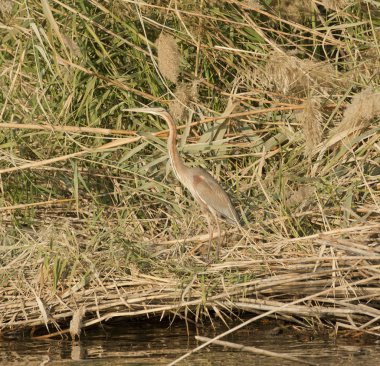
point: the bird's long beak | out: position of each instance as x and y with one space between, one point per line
156 111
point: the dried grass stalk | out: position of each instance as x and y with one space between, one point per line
368 66
258 351
311 121
169 57
298 274
119 241
364 107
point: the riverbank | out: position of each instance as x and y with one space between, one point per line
283 109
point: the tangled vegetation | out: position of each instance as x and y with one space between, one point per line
278 100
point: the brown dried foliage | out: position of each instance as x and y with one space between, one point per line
300 196
252 4
294 10
336 4
185 93
76 322
5 7
178 105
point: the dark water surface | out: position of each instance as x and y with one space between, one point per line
158 343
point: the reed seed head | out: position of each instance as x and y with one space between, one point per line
311 120
169 57
364 107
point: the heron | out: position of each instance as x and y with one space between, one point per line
207 192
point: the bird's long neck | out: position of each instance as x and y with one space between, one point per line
178 166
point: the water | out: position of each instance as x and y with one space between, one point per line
158 343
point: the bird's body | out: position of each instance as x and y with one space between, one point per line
209 194
213 200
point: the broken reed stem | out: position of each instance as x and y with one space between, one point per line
107 131
255 350
37 164
107 310
36 204
263 315
74 129
124 141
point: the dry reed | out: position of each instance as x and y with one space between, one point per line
93 225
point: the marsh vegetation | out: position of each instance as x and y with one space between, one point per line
278 100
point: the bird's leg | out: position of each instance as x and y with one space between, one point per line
219 239
210 232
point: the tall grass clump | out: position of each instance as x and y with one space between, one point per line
280 103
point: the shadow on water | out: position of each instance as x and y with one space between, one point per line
158 343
